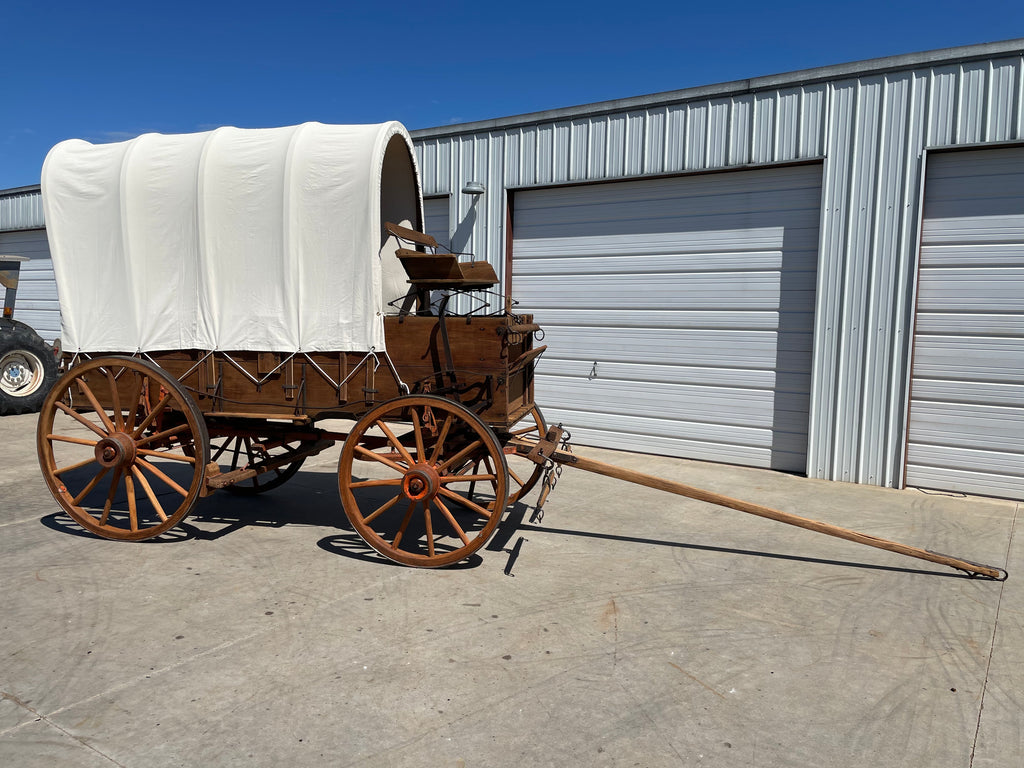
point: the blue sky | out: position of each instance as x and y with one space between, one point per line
113 70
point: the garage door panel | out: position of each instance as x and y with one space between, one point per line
973 358
729 406
974 324
714 291
678 312
678 374
760 350
760 449
970 392
965 481
1004 463
667 260
975 426
963 229
972 289
797 322
986 254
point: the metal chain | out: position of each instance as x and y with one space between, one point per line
552 474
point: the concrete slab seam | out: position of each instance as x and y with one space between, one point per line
992 644
43 718
169 668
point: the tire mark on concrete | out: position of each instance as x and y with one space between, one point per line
699 681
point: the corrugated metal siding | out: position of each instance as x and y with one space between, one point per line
872 130
21 209
36 301
966 424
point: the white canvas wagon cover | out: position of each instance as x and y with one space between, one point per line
233 239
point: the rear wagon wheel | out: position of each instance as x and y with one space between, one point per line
123 448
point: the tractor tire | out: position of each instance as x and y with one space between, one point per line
28 369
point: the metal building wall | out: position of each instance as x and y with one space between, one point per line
21 208
870 122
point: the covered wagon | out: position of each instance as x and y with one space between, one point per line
222 293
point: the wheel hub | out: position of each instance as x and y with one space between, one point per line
17 373
421 482
116 450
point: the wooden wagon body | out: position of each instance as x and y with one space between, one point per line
184 380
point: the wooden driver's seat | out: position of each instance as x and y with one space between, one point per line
439 271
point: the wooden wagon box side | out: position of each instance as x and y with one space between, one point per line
487 366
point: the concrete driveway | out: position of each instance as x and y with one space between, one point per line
630 628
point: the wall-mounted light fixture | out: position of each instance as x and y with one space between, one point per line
474 188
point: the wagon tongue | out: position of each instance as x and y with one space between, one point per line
553 451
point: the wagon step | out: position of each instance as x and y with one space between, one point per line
548 450
215 479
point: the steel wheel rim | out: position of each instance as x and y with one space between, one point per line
437 484
523 474
122 447
21 373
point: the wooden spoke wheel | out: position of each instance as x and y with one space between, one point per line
241 451
523 474
433 483
123 447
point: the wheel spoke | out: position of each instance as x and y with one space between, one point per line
451 520
471 505
363 451
441 438
164 401
95 404
149 493
133 512
237 453
405 523
514 476
449 479
110 496
525 431
221 449
158 473
133 401
75 440
459 457
161 435
381 509
376 483
166 455
92 484
115 399
77 465
418 434
80 418
394 441
430 530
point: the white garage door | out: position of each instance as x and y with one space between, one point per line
966 426
678 312
36 302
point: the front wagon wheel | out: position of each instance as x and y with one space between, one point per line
433 483
123 448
